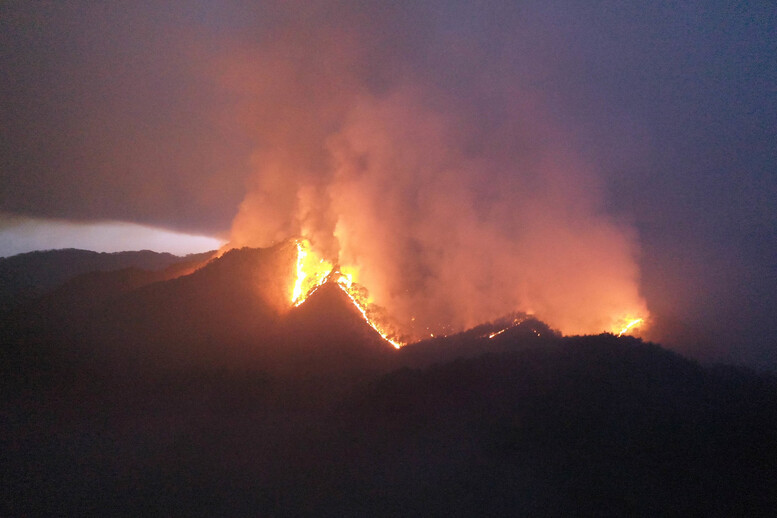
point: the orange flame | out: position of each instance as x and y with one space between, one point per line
631 324
497 333
314 271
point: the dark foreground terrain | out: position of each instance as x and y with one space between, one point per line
308 414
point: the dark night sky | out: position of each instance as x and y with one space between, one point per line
121 111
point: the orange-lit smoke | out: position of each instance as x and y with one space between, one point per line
447 224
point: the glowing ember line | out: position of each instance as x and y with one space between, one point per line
383 335
497 333
630 325
516 321
307 295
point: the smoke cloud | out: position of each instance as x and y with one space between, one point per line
453 216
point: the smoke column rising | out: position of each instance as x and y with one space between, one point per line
450 218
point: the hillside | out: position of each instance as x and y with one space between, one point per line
26 276
202 395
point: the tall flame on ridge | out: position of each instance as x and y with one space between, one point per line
314 271
631 324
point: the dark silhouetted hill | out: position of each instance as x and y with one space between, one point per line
233 310
231 305
581 426
26 276
328 333
205 395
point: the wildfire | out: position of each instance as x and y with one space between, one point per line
297 293
631 325
517 320
314 271
497 333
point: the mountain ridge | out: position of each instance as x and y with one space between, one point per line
26 276
207 394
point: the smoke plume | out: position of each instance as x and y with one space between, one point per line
453 213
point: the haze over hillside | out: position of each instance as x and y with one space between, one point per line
197 389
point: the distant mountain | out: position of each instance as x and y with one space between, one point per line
26 276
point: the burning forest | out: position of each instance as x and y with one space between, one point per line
313 272
390 190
